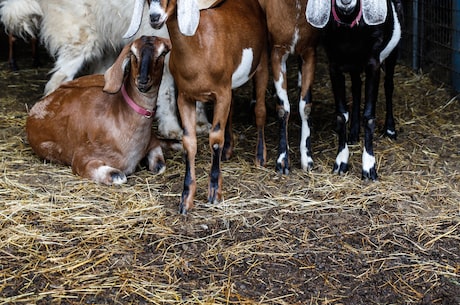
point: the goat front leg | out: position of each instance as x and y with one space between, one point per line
283 108
338 88
355 121
95 169
155 158
187 110
371 92
216 144
305 103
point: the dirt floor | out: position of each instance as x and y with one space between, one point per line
306 238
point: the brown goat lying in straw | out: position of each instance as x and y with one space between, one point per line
101 131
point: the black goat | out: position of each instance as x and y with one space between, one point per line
361 36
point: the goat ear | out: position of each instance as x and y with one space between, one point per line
115 74
188 16
167 45
374 11
318 12
136 19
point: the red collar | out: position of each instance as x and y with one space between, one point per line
145 112
340 22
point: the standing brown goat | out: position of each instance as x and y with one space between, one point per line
101 125
214 50
290 34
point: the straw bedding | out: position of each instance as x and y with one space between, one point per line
305 238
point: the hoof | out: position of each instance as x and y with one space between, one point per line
371 174
159 168
118 178
340 169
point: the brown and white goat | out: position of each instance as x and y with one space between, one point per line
214 50
290 34
101 125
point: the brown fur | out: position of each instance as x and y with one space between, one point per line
86 123
202 66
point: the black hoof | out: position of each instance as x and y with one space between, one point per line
340 169
370 175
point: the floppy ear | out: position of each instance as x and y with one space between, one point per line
318 12
188 16
136 19
374 11
115 74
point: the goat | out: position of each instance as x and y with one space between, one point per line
85 37
214 50
101 125
361 36
12 63
291 34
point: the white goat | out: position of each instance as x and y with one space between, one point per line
85 37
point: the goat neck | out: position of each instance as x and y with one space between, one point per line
349 19
142 103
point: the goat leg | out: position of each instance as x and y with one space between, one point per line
338 88
389 64
187 110
283 107
355 119
371 92
216 144
307 76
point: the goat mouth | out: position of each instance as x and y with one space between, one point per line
157 21
144 88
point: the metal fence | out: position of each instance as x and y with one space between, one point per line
431 39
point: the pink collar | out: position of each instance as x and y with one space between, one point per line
145 112
340 22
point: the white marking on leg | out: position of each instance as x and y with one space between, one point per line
342 157
243 72
391 132
346 116
305 159
103 174
282 93
281 158
368 161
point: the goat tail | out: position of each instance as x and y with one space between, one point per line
21 17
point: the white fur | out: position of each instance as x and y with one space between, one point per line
188 16
374 11
305 159
317 12
394 39
100 175
368 161
242 73
88 33
342 157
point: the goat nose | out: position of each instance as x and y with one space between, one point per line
155 18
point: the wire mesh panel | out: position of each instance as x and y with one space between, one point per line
431 39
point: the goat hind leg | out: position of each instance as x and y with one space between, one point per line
343 153
305 103
390 63
283 108
216 143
